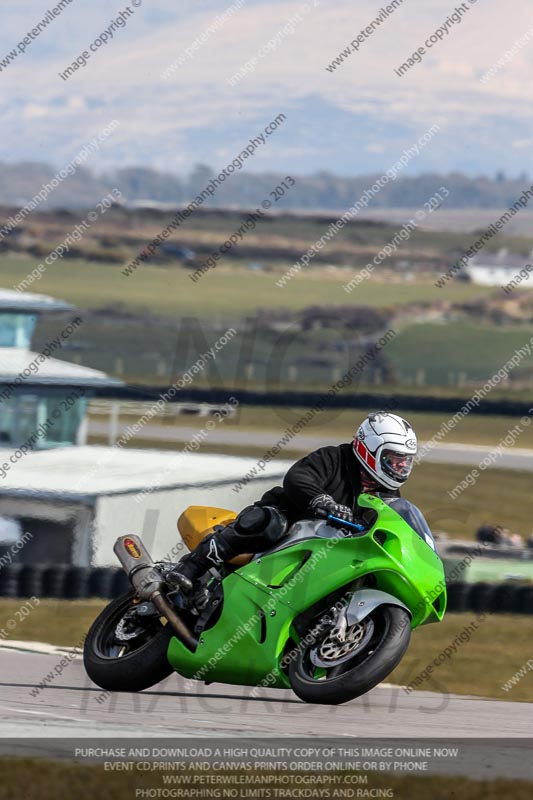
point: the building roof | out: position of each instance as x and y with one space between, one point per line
50 372
88 472
11 300
502 259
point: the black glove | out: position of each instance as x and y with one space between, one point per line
326 503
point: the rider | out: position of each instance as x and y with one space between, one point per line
329 480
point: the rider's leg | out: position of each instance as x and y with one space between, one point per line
255 529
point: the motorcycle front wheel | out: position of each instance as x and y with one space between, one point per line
123 653
331 671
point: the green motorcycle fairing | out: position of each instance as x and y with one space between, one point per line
262 599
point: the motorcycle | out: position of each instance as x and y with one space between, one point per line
327 612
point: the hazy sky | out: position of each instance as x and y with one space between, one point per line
358 118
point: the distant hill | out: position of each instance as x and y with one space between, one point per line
21 181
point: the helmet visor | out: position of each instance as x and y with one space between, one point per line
396 465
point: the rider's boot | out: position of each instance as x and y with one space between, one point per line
254 529
212 551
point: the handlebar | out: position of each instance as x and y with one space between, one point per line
321 513
355 525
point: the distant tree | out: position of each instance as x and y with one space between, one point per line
198 179
140 183
322 191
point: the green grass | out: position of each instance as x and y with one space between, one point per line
497 649
436 354
339 426
221 293
40 779
226 449
444 351
58 622
499 496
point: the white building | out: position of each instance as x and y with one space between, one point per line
75 500
500 269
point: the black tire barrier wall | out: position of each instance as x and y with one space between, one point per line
63 581
308 399
77 583
491 598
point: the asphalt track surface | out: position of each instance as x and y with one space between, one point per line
69 705
71 710
467 454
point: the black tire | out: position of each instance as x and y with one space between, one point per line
77 583
54 581
133 671
481 597
121 583
31 580
459 597
10 580
504 598
525 600
392 633
101 582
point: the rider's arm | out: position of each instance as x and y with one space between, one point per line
311 476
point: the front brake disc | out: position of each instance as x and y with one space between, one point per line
124 635
331 650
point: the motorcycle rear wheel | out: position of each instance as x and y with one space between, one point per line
130 665
381 650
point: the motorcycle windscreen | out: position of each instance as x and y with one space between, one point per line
413 516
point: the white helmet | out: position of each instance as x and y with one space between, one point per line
386 445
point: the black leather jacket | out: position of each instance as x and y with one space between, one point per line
330 470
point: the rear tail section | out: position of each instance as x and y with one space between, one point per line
197 522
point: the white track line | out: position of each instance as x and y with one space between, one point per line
43 714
